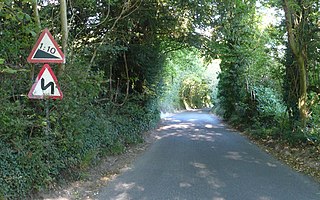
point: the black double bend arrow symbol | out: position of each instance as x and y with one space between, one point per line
44 87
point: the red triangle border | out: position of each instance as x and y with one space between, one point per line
44 60
31 96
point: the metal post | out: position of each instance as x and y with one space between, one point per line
47 129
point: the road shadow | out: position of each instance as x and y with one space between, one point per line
196 156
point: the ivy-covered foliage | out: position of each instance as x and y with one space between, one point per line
238 58
82 129
269 74
109 99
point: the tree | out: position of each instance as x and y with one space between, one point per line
64 30
233 44
299 20
296 21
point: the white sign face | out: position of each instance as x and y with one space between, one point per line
46 85
46 50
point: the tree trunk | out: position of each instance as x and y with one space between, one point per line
294 27
64 29
302 104
36 15
38 23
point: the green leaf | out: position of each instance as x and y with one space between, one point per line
27 17
9 70
33 33
20 15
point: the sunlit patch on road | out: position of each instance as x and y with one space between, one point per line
196 157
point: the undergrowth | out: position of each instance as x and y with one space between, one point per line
81 130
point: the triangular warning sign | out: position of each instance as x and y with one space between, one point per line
46 50
46 85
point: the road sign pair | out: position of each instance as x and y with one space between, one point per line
46 50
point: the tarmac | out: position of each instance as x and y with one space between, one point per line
197 157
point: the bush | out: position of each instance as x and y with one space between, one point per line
312 131
270 106
82 129
271 118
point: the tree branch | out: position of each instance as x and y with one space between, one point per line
289 25
126 7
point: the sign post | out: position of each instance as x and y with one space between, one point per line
46 50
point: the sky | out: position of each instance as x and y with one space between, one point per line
269 15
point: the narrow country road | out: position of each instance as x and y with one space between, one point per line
196 157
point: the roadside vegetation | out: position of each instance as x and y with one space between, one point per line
128 60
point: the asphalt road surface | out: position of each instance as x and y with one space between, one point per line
196 156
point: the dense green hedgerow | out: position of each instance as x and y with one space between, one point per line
82 129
